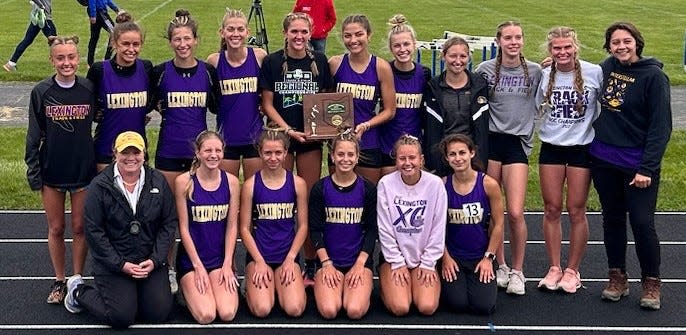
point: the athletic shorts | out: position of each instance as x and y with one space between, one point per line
273 266
387 160
370 158
71 190
506 149
299 147
237 151
103 159
575 155
173 164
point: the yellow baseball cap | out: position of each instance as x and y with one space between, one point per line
129 139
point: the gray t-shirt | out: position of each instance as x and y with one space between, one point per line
562 124
512 105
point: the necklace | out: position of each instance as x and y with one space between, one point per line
129 184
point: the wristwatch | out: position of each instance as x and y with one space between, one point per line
489 255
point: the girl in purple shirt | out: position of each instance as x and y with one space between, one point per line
208 225
273 227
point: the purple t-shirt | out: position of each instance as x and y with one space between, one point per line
365 88
466 236
238 118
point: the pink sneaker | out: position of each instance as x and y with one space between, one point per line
571 281
550 282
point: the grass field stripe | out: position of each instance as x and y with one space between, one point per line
154 10
639 8
353 326
6 2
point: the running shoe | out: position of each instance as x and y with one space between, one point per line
551 280
502 275
70 302
571 281
57 292
516 285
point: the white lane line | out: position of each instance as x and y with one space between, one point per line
240 277
69 240
154 10
491 327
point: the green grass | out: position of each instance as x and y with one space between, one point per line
16 194
661 23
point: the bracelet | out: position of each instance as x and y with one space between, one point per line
326 260
288 130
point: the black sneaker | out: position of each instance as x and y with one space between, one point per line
57 293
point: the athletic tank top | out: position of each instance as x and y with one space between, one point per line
408 99
274 218
343 235
125 101
185 99
238 118
365 89
468 217
207 214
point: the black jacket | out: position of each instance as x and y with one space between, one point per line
434 127
636 110
109 216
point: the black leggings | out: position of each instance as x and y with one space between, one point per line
102 21
617 198
467 293
119 300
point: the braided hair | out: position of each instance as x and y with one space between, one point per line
499 57
308 49
566 32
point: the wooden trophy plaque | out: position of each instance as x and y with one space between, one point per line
324 114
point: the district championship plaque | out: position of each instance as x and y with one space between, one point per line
325 113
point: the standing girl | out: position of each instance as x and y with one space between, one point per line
512 82
59 154
342 218
100 19
456 103
411 208
123 88
238 115
568 95
184 93
41 21
632 132
474 232
208 225
368 78
286 76
273 227
409 79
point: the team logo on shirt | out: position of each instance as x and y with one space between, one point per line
564 100
471 213
294 85
613 97
343 215
359 91
62 115
410 215
275 211
238 85
127 100
209 213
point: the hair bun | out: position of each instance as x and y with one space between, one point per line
397 19
123 16
182 13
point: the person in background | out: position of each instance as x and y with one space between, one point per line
410 80
631 136
474 230
370 81
273 227
40 21
130 225
568 96
208 225
123 89
99 18
184 91
412 209
238 112
323 16
59 154
342 221
512 81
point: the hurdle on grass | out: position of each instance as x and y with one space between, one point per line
484 43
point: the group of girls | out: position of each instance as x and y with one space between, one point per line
457 119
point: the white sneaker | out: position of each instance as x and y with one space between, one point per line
9 67
173 284
502 275
517 281
70 302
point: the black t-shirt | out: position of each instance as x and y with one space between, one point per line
289 87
